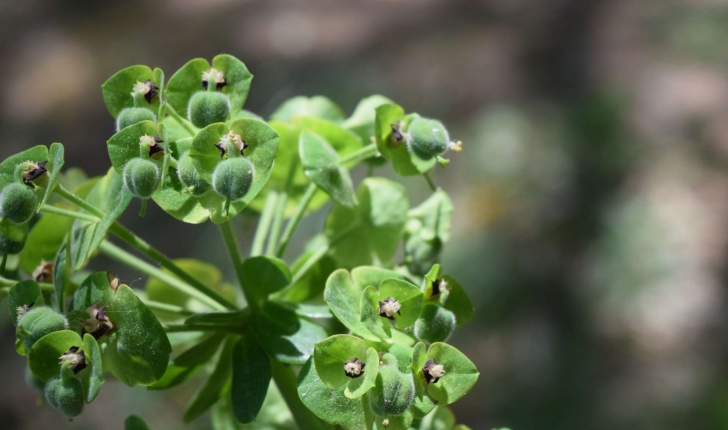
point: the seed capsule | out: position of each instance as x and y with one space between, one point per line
435 324
233 177
427 137
189 176
17 203
393 393
131 116
11 243
38 322
141 177
207 107
66 395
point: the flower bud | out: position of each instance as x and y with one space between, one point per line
233 177
131 116
141 177
427 137
38 322
18 203
189 176
393 393
66 395
435 324
208 107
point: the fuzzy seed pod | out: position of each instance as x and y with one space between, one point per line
131 116
427 137
11 244
208 107
66 395
232 177
393 393
38 322
189 176
18 203
435 324
141 177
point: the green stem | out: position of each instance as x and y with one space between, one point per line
78 201
278 219
6 283
69 213
177 328
429 182
297 216
287 382
368 151
301 272
4 262
183 122
266 217
228 235
165 307
134 262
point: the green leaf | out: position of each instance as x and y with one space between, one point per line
283 334
331 354
369 311
332 405
422 404
207 274
316 106
342 140
135 422
274 415
7 167
118 88
432 218
457 301
251 377
109 196
408 295
45 353
311 284
321 165
238 80
460 373
44 240
92 377
263 145
24 293
55 162
365 276
370 233
136 350
362 119
124 145
189 362
14 237
343 295
234 319
360 386
441 418
263 276
210 393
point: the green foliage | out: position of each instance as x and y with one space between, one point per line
349 310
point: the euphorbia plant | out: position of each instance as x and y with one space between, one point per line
351 334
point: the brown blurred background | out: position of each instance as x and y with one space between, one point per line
591 211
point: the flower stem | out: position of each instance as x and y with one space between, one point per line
266 217
287 382
134 262
183 122
432 185
296 218
278 219
165 307
69 213
355 157
228 235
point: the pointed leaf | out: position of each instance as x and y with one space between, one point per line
55 162
321 165
284 335
251 377
343 296
264 276
210 393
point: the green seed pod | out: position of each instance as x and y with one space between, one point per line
435 324
131 116
427 137
189 176
65 394
12 238
393 393
232 177
141 177
18 203
38 322
208 107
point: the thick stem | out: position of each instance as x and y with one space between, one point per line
278 219
266 217
429 182
6 283
228 235
296 218
286 380
177 328
164 307
69 213
368 151
134 262
78 201
183 122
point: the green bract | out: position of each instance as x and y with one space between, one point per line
207 108
135 86
17 203
141 177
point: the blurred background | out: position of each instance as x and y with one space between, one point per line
591 216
